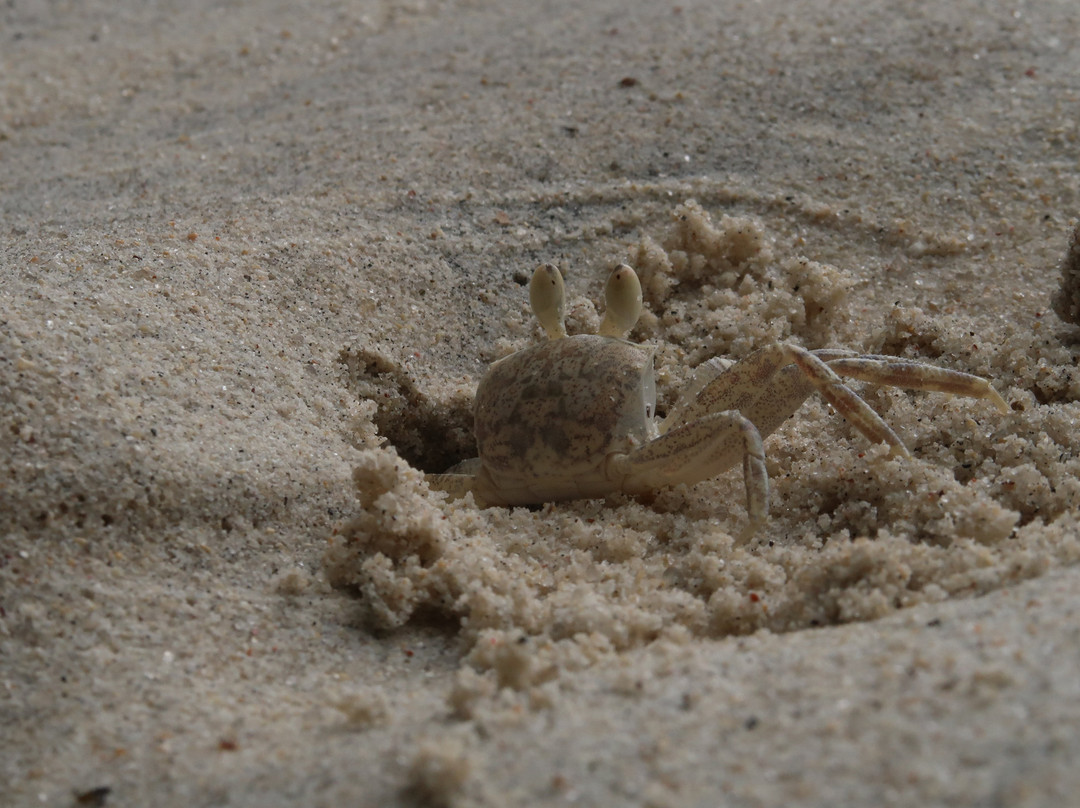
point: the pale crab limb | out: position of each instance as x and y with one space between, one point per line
455 484
702 375
789 378
622 297
894 372
696 451
759 389
547 294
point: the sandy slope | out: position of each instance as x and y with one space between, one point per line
254 263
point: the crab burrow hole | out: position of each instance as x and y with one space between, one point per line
430 428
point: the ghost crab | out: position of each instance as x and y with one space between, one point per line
574 417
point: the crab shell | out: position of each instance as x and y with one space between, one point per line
550 417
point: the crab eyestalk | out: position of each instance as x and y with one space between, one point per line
622 297
547 294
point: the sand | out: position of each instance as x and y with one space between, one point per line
255 261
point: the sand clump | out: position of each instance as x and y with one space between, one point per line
854 534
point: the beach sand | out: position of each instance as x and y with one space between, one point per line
255 261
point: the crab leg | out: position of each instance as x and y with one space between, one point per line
760 389
456 485
696 451
895 372
771 384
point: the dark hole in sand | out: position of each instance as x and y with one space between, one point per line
429 432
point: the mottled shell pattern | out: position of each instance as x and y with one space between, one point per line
549 416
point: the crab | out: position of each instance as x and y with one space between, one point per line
574 417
